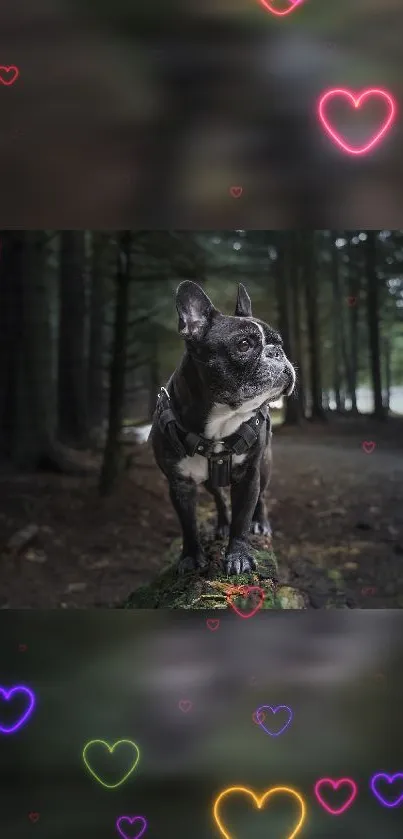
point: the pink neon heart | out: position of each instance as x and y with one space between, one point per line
368 446
185 705
335 785
356 101
270 8
11 72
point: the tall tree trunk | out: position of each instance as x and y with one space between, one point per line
73 404
336 320
387 355
33 442
297 357
373 323
354 284
110 465
97 332
311 295
12 266
154 380
345 352
284 260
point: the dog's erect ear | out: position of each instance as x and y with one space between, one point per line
195 309
243 308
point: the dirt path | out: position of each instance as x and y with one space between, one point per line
338 520
336 512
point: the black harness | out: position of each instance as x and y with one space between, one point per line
189 443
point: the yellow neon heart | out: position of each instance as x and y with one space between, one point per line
259 802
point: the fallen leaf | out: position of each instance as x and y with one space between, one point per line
35 556
291 598
75 587
21 538
98 563
333 574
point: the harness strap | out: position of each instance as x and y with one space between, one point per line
238 443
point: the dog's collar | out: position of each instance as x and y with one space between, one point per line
189 443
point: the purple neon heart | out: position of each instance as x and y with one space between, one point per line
131 820
390 780
9 694
274 710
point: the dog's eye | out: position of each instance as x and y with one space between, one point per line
243 345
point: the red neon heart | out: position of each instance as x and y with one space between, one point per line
368 446
185 705
258 718
7 70
356 101
292 4
212 623
243 591
236 191
33 817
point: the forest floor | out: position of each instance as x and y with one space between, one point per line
336 511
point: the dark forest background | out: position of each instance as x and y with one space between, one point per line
88 333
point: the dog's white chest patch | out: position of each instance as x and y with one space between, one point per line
196 467
222 421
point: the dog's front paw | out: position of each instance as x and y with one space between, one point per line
188 564
239 561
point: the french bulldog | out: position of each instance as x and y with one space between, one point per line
212 426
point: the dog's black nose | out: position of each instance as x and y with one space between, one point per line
274 351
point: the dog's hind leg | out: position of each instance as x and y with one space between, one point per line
222 527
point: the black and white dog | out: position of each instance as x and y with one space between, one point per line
212 423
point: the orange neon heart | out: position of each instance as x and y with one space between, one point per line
259 802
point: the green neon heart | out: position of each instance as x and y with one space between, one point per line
110 750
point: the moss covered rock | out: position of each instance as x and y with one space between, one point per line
211 588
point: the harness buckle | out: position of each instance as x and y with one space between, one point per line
164 391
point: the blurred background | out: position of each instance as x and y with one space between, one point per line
114 675
146 114
88 332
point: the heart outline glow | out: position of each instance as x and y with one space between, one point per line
357 101
8 69
131 820
111 749
268 6
335 785
7 695
259 802
243 591
390 779
273 709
